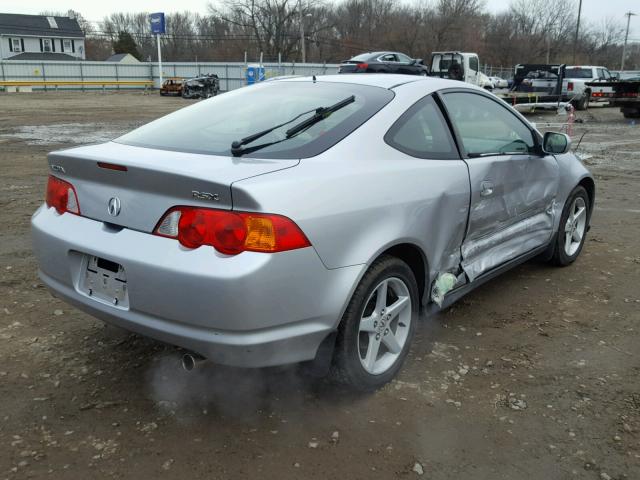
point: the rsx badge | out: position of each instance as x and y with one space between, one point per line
205 195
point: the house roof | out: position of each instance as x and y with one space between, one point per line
119 57
39 26
42 56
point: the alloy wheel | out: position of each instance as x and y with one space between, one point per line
575 226
384 326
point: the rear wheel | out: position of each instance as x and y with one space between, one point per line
583 102
573 228
377 328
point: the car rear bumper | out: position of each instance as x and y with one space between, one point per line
249 310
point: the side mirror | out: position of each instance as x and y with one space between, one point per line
556 143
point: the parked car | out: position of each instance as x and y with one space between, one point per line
384 62
499 82
308 219
204 86
172 86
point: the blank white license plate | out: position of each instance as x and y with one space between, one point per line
106 281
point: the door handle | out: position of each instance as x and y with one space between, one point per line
486 189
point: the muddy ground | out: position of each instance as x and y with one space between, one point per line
535 375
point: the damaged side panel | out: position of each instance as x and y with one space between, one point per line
493 250
512 210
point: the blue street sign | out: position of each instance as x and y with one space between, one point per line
157 23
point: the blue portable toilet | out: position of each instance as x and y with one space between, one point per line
255 73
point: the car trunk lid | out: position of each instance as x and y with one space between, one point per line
148 182
350 66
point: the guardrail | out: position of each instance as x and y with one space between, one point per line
146 84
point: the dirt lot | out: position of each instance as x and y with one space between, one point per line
534 375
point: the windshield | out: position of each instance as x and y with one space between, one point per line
211 126
578 73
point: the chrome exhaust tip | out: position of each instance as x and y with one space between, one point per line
191 360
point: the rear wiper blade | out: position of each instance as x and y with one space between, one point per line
320 114
237 145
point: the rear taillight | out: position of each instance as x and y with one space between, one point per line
62 196
363 66
570 86
231 232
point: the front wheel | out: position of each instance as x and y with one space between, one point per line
377 328
573 228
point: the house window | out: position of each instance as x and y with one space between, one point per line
46 45
66 46
16 45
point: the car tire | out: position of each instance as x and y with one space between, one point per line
631 113
375 335
583 102
573 228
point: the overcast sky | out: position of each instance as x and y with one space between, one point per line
94 10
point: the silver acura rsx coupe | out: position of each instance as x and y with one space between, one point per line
308 219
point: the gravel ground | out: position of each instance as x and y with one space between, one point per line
534 375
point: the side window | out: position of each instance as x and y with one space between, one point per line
601 74
474 64
403 58
486 127
422 132
389 57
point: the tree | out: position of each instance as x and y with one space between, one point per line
126 44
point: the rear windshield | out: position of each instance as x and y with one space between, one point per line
578 73
211 126
363 57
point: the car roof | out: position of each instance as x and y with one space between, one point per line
376 54
383 80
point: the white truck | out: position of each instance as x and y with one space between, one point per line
461 66
576 90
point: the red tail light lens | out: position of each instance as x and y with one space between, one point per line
231 232
363 66
62 196
570 86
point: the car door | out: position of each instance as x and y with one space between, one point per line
390 62
472 75
513 185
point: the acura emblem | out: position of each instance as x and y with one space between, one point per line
114 207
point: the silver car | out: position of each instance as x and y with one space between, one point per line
308 219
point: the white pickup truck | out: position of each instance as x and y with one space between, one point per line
575 88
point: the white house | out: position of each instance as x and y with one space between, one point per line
122 58
39 37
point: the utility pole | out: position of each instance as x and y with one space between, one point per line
302 45
626 37
575 40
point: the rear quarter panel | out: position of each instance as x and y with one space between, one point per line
362 196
